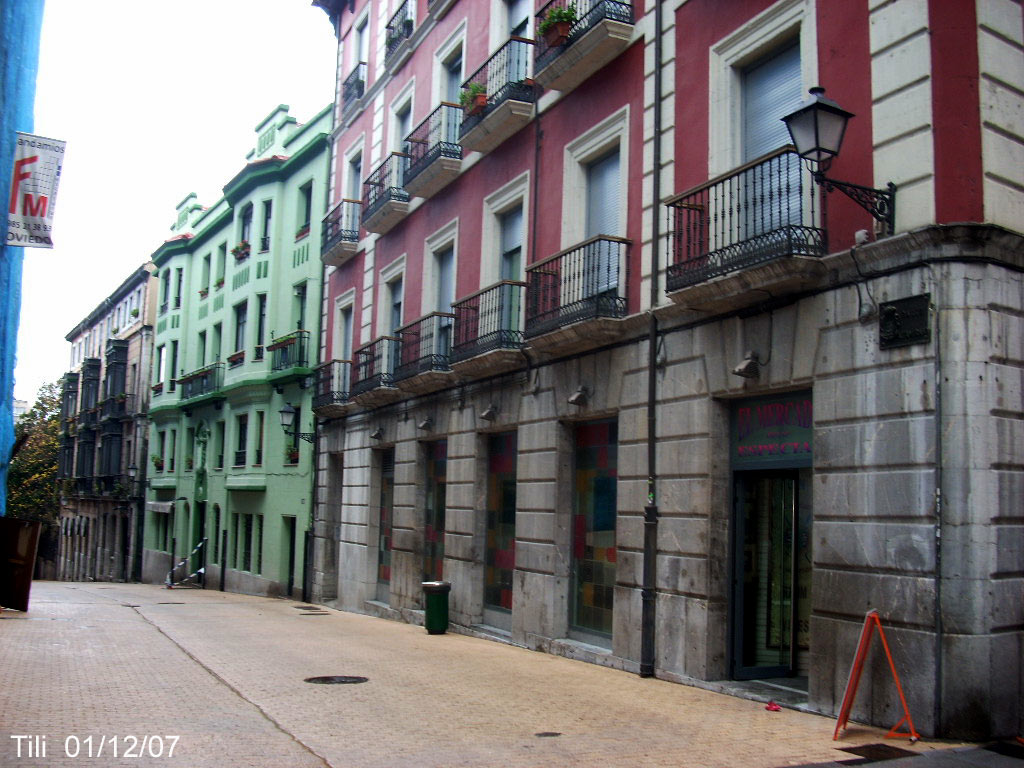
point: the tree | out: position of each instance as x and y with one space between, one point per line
32 477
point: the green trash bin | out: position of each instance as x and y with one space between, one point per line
436 603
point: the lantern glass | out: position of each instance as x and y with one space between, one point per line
287 417
818 127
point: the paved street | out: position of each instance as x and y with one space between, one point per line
225 673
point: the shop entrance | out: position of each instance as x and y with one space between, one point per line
772 517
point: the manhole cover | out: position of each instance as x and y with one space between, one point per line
336 679
547 734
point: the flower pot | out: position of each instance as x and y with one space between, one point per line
557 33
477 104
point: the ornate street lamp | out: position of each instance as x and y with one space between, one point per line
817 129
288 421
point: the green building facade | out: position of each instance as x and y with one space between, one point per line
240 282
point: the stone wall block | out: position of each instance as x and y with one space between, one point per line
536 526
683 535
908 600
875 394
875 444
687 495
688 574
461 520
535 495
854 494
459 547
870 545
626 623
535 556
682 419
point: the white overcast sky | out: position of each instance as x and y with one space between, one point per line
155 100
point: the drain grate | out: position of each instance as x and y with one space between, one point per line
307 607
876 753
314 613
547 734
170 603
336 680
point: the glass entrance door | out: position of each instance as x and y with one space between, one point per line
500 532
771 582
386 503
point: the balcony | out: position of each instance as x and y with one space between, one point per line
438 8
202 385
353 88
397 47
738 231
423 354
435 155
331 397
510 95
118 407
372 382
600 31
289 359
488 330
576 299
339 233
88 417
386 200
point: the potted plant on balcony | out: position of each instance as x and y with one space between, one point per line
204 292
158 463
241 251
135 312
473 99
291 455
219 284
557 24
189 463
302 231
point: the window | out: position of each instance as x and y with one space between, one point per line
174 364
173 450
260 421
245 228
453 76
161 363
222 257
403 124
444 270
362 41
261 324
603 216
201 350
206 273
219 445
355 177
343 336
300 305
305 209
265 233
518 17
505 213
510 260
215 342
179 281
241 437
771 89
258 568
241 312
395 296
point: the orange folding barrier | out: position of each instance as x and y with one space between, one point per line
871 621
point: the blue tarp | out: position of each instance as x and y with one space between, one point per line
20 25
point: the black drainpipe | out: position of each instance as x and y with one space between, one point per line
648 604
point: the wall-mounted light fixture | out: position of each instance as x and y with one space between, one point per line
750 368
580 396
288 422
427 424
490 413
377 434
817 129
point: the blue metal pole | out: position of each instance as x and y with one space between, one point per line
20 26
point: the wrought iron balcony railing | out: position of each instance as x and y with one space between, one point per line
585 282
399 29
333 380
374 364
588 14
342 223
202 381
117 407
424 345
762 211
290 351
487 320
437 136
353 88
504 76
385 184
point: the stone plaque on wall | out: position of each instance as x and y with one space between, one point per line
905 321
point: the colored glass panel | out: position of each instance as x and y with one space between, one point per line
433 530
500 553
387 495
594 516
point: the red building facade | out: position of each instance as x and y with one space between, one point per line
601 350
